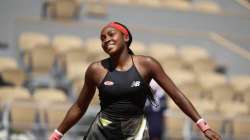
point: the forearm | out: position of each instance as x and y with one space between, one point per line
72 117
186 106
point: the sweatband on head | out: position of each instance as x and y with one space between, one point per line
118 27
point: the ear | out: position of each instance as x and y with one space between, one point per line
126 38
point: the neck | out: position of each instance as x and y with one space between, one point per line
122 61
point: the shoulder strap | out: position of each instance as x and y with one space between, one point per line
132 59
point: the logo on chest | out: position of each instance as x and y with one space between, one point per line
135 84
108 83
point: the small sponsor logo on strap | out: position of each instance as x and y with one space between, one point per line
108 83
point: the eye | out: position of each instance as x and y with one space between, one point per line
103 37
111 33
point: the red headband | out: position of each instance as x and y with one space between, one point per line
118 27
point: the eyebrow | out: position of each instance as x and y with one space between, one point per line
110 30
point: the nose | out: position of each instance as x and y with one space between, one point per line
107 39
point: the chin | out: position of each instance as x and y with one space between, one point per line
113 53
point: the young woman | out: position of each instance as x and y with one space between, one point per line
123 84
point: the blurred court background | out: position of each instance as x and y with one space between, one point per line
45 46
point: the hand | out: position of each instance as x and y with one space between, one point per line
211 135
55 136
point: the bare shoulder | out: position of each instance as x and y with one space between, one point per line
145 60
98 66
94 67
148 65
96 70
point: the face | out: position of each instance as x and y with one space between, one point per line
113 40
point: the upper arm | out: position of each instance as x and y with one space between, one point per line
159 75
89 87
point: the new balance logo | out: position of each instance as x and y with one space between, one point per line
135 84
